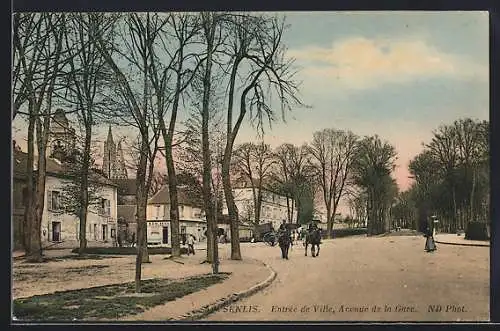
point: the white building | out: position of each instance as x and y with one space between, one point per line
191 218
273 207
59 227
63 228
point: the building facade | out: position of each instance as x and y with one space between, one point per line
191 218
274 207
59 227
63 229
19 191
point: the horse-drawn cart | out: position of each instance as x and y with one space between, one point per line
266 233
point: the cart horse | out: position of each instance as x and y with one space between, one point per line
313 238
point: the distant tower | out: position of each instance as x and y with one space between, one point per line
113 164
121 169
62 136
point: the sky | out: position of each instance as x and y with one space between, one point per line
396 74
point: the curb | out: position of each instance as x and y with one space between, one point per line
211 308
459 244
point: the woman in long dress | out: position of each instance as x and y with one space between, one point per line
430 245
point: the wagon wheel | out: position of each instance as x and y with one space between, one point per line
269 239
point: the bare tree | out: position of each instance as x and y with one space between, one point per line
39 57
190 151
333 152
257 42
159 180
281 176
211 36
253 162
137 33
86 73
184 28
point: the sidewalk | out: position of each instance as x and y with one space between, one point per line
453 239
245 275
37 279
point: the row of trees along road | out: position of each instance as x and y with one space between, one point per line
137 70
451 178
337 164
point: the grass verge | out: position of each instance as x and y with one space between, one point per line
110 301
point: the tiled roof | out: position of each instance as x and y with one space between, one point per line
126 186
53 167
127 212
20 161
183 197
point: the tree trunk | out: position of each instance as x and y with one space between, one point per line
454 218
30 188
84 189
172 189
172 179
231 206
226 162
289 215
472 209
210 241
141 197
329 222
140 251
42 136
209 23
35 235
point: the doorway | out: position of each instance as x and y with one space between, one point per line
56 231
165 235
104 232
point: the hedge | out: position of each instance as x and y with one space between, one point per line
477 231
339 233
127 250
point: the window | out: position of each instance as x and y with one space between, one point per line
54 200
113 233
183 230
105 207
182 211
157 212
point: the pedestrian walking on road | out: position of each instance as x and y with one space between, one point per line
430 244
190 243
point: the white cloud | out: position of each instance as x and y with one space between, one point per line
360 63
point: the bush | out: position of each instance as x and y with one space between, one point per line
127 250
477 231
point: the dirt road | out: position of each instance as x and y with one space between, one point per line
370 279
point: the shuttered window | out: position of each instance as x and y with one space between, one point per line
54 200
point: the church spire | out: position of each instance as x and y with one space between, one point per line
110 135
